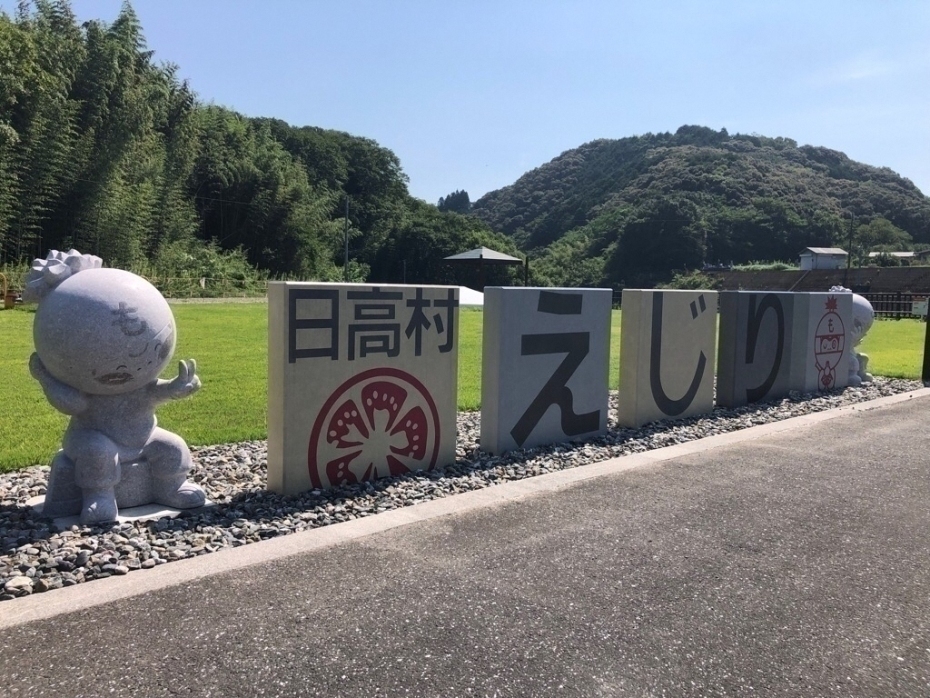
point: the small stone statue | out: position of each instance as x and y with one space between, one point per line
102 337
863 317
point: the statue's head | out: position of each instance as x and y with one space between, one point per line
862 314
102 331
863 317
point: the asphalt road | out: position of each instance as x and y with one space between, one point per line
787 564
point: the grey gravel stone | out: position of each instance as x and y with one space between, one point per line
19 584
36 556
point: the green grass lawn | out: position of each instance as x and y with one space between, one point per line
28 425
895 348
470 358
229 342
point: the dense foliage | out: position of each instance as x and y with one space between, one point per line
107 151
637 210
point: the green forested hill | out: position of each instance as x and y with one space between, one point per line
104 149
634 210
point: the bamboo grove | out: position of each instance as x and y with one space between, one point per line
104 149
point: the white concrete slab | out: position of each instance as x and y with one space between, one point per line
470 297
667 354
757 346
145 512
545 364
362 382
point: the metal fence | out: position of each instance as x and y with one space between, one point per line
898 305
901 304
205 287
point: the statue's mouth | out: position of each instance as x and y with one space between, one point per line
115 378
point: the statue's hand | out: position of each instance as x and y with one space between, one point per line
63 398
187 381
37 368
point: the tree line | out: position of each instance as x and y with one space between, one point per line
106 150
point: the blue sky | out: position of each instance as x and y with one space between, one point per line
470 95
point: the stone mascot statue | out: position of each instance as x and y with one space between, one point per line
102 337
863 317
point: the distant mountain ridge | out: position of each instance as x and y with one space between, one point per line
634 210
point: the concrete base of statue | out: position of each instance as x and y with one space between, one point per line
144 512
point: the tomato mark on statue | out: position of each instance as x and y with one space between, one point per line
829 344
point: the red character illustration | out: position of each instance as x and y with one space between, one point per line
380 422
829 344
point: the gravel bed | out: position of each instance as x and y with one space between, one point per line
36 556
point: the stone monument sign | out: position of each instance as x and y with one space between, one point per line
545 365
758 345
102 337
362 382
827 326
667 343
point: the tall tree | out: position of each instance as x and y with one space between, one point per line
456 202
43 121
251 193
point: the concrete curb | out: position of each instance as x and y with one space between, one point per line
88 595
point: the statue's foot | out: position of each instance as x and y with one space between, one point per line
98 506
187 496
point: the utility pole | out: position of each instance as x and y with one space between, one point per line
925 372
345 266
849 251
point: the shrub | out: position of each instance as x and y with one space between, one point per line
691 280
766 266
197 269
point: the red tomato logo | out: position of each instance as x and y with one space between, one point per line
829 344
378 423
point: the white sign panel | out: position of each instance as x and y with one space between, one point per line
824 363
362 382
667 351
545 366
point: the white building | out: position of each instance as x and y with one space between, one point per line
903 256
823 258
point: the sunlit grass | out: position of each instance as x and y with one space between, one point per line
29 427
895 348
470 335
229 342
